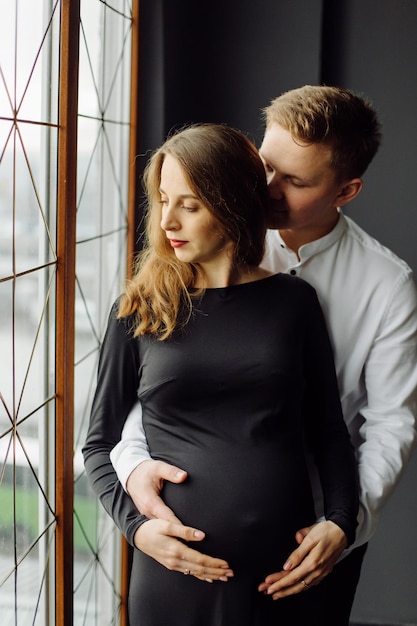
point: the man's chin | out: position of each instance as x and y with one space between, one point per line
277 221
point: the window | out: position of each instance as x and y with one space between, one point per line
53 311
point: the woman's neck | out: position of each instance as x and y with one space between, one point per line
226 277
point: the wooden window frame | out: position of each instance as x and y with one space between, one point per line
65 294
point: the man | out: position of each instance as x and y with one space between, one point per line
318 143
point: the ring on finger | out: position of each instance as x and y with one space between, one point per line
306 585
186 572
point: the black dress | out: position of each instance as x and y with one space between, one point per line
234 399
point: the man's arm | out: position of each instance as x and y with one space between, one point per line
133 448
388 434
141 476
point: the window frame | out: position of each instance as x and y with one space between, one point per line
65 307
65 292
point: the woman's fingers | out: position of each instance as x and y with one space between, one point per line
164 541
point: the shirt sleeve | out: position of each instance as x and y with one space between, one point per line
327 436
388 432
116 393
133 448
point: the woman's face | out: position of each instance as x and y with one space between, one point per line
193 232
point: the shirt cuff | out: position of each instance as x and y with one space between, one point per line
126 458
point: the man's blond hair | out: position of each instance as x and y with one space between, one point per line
337 117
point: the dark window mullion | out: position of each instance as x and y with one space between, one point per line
65 302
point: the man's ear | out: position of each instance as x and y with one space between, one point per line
349 191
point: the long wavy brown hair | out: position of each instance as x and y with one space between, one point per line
224 170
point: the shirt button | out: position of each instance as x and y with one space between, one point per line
293 272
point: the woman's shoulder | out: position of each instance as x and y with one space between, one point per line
127 322
292 283
297 292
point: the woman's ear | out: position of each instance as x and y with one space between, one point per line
349 191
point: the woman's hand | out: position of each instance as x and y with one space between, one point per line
161 540
319 548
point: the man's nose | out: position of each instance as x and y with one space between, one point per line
274 186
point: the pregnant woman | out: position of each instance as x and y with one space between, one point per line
234 371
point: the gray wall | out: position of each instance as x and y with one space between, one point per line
220 60
379 58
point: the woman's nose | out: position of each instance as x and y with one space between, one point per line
168 219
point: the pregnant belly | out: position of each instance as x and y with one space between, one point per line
248 503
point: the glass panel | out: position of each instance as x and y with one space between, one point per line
101 260
27 333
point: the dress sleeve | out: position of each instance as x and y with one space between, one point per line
326 432
116 393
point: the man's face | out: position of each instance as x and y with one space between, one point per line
302 184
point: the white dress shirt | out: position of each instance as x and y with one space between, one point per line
369 300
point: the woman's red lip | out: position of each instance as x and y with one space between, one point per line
177 243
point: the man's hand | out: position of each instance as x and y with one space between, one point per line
161 540
319 549
144 486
